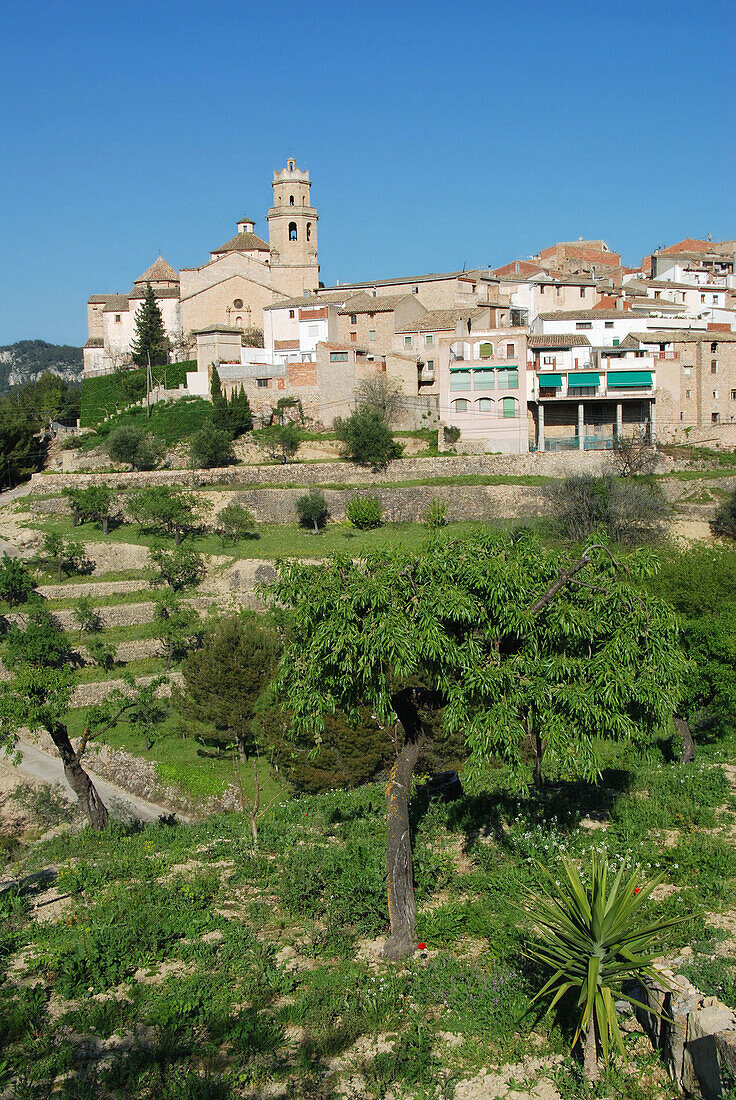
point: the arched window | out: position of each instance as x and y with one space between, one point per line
238 322
292 231
291 200
309 231
485 405
486 351
459 350
461 405
509 407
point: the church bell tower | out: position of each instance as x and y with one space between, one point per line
292 232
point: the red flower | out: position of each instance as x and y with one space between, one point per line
637 889
421 947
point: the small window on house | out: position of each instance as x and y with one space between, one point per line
582 291
353 318
509 407
117 318
702 297
715 418
313 330
687 371
238 303
715 394
371 334
549 360
338 357
291 200
689 393
262 383
353 337
415 290
485 405
714 347
714 366
309 231
608 324
510 351
616 342
408 341
461 405
292 314
579 325
238 322
429 367
429 338
292 231
560 290
682 416
541 288
486 350
733 395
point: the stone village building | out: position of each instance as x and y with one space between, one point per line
564 352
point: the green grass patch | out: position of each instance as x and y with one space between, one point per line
173 422
101 395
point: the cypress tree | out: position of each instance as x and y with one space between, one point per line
242 417
150 334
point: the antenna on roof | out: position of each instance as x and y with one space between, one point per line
465 264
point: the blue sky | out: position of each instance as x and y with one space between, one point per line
437 134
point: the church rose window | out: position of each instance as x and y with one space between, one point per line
238 303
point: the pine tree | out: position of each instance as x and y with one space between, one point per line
150 335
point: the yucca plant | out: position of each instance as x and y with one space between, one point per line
594 939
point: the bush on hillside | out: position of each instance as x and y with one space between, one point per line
280 441
16 583
312 509
631 512
367 439
364 512
127 443
164 509
179 567
211 447
235 522
91 505
724 523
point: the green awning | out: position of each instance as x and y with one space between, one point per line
550 381
583 378
466 369
622 379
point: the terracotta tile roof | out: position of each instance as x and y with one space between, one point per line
443 320
243 242
429 278
364 303
158 272
691 244
102 299
116 303
559 340
160 292
95 342
321 299
572 315
683 336
286 345
336 347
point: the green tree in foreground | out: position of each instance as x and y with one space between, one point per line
312 508
127 443
91 505
508 640
224 679
16 583
367 439
150 343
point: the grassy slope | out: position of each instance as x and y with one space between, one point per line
262 980
101 395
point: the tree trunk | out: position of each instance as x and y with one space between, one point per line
59 570
590 1054
538 754
104 524
78 780
177 536
253 814
688 745
400 873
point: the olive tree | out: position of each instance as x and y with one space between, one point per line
503 639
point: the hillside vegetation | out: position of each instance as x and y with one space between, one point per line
26 360
103 395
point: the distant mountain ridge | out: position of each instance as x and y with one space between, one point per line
27 360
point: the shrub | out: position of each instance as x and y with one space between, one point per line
102 653
367 439
724 523
281 441
16 583
380 392
435 514
364 512
452 434
210 447
149 453
90 505
162 508
178 567
235 522
312 508
632 512
87 616
123 442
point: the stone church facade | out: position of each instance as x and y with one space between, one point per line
241 278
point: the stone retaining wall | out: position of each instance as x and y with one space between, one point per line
695 1035
558 464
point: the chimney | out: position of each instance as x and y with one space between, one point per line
620 302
